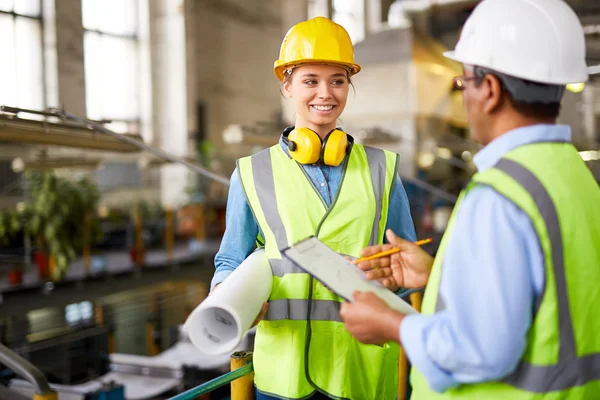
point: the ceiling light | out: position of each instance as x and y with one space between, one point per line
444 153
576 87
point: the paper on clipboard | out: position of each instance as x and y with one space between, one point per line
338 274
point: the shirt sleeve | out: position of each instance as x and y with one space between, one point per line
491 276
241 230
399 219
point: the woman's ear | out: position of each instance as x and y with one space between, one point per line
287 90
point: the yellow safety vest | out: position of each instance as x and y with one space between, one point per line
552 185
302 345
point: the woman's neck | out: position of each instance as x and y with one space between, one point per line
321 130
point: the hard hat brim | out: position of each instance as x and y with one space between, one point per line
279 69
450 55
584 77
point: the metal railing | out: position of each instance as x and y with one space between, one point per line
241 378
29 372
67 116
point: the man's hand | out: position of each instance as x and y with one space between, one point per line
409 268
261 314
370 320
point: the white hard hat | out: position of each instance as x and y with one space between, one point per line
536 40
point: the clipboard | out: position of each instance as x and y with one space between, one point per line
338 274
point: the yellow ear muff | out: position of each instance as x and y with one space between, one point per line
306 147
335 147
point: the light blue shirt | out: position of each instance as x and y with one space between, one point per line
242 229
492 274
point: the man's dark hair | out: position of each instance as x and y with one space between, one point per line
531 99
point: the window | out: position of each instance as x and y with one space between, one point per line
78 313
351 15
22 66
112 63
317 8
348 13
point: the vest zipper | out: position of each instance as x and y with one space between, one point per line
311 282
337 195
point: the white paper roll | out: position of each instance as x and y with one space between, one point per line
217 325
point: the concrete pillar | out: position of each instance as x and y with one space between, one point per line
168 55
294 11
191 73
372 16
146 93
588 109
64 55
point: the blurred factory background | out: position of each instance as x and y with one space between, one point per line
104 248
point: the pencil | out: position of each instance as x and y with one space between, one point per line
388 252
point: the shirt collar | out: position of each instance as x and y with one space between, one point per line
497 148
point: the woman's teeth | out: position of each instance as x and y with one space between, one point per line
322 108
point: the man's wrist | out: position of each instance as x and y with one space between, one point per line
393 321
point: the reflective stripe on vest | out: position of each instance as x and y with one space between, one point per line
302 329
266 196
571 370
298 310
324 310
377 166
264 180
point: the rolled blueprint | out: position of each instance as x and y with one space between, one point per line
218 324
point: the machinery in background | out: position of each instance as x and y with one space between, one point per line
130 377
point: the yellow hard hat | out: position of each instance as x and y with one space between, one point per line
318 40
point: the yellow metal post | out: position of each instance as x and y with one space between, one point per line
87 251
52 267
242 388
402 374
416 299
199 222
169 233
112 342
139 240
152 347
45 396
100 320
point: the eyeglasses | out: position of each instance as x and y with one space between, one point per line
460 82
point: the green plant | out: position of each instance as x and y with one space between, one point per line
206 152
57 214
150 210
11 228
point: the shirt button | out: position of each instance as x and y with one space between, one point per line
322 184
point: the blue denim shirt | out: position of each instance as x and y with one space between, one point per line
492 274
242 229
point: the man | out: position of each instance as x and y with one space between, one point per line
511 305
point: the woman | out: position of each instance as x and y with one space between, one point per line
315 181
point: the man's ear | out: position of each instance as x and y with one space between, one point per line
494 93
